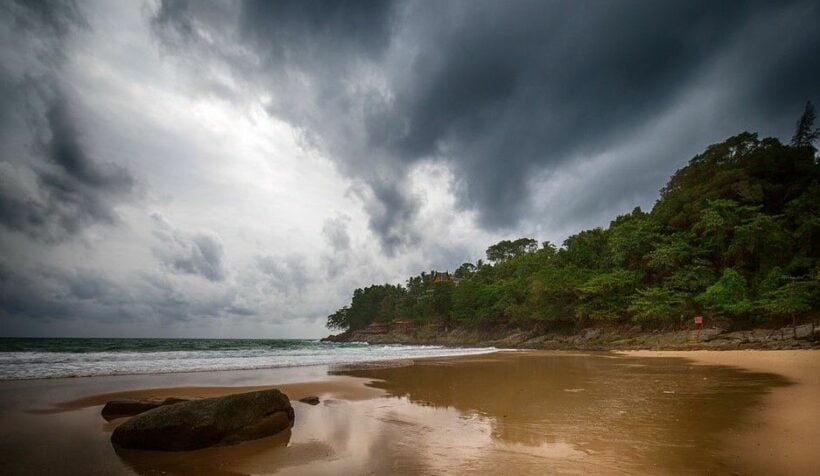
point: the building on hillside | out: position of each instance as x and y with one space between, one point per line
441 277
445 277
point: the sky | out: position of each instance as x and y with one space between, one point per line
235 169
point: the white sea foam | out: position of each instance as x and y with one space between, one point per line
37 365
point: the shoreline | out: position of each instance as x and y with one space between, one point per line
26 364
371 417
805 336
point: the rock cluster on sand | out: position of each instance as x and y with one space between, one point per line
209 422
123 407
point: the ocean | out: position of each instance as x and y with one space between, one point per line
38 358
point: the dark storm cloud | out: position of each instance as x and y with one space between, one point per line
161 298
306 30
48 293
501 90
198 254
201 254
71 190
54 18
391 210
778 71
285 273
504 90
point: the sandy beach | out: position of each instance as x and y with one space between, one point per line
533 412
782 437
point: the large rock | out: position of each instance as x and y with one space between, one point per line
123 407
208 422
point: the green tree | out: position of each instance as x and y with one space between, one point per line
805 134
657 304
729 295
718 223
672 253
759 242
506 249
439 300
606 296
553 292
465 270
339 320
587 249
631 237
786 296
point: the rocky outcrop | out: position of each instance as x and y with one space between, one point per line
604 338
343 337
209 422
123 407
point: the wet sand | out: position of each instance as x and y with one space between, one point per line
745 412
784 436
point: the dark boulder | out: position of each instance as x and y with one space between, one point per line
311 400
208 422
123 407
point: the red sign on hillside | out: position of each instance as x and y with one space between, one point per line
698 320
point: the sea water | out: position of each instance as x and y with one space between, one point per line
36 358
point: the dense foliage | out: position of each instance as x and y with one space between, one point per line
734 235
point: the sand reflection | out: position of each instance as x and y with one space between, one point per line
575 411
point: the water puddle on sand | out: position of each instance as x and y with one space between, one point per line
509 413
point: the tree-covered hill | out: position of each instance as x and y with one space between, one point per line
735 235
